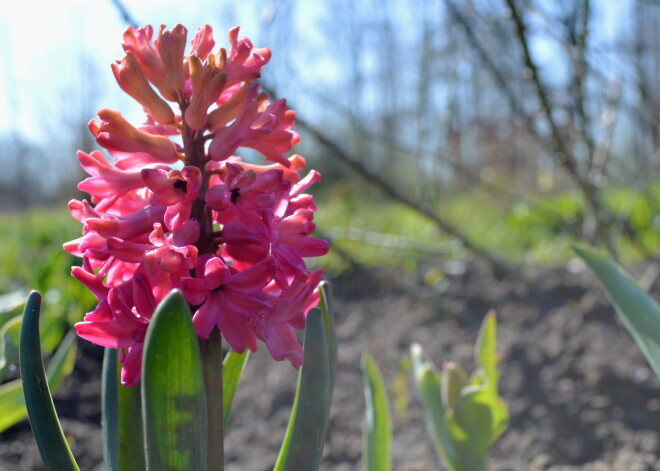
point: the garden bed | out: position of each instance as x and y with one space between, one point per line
580 394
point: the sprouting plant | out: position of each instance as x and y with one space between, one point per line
464 415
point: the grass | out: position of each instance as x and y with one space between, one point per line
376 231
31 257
368 226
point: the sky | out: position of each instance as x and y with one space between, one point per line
46 47
51 50
56 56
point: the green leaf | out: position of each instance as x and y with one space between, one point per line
131 455
454 379
173 397
486 354
638 311
232 368
123 439
303 442
486 349
474 415
46 428
377 434
326 305
110 410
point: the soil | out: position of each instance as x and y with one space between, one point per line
580 394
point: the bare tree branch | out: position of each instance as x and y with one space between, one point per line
501 267
567 157
125 14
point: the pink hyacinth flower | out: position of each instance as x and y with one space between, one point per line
122 323
175 189
172 207
228 300
137 147
244 191
278 329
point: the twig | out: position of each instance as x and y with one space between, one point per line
568 159
389 241
125 14
578 52
608 119
506 193
500 266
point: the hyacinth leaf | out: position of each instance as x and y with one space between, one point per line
327 306
123 443
486 354
46 428
464 417
485 348
638 311
444 433
232 368
303 442
110 408
474 415
173 395
131 432
377 433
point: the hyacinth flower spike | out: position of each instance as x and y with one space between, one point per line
184 243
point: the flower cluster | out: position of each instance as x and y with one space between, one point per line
173 207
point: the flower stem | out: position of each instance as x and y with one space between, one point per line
211 351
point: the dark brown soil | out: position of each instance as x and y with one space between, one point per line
580 394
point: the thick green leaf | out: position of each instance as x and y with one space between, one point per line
123 442
110 408
232 368
428 385
131 456
486 349
303 442
486 354
173 396
326 305
211 355
46 428
377 433
474 415
638 311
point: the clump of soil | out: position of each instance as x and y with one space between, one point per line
580 394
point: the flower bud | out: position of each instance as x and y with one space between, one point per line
115 133
454 378
171 45
131 79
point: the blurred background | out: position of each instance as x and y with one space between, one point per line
461 128
454 132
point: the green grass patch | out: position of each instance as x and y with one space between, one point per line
376 231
